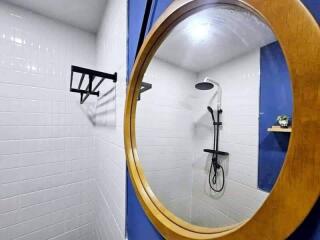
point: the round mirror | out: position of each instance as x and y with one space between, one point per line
214 116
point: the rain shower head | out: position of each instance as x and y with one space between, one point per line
208 84
204 86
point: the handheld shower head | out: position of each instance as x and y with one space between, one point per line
210 109
211 112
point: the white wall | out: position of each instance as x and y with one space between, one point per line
240 83
110 170
164 135
46 142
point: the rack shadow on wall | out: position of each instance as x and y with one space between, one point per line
103 112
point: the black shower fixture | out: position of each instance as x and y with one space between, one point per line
92 74
216 168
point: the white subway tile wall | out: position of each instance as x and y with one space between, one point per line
164 135
46 142
110 173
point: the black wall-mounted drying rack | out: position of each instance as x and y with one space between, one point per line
89 90
144 87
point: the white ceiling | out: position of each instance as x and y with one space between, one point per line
213 36
83 14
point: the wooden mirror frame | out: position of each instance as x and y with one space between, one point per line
298 186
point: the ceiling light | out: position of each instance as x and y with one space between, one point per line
199 31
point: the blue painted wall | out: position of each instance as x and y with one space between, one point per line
136 10
275 99
135 17
138 225
314 8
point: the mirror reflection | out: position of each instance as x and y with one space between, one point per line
213 119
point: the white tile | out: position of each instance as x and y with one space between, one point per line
9 204
110 168
37 193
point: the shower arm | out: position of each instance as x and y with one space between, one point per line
219 91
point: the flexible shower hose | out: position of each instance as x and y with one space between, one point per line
213 179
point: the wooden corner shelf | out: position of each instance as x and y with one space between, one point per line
280 129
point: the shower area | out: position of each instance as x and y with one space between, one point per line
56 166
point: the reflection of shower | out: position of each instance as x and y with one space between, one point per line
216 169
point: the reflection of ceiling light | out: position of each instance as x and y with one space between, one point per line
16 40
199 31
